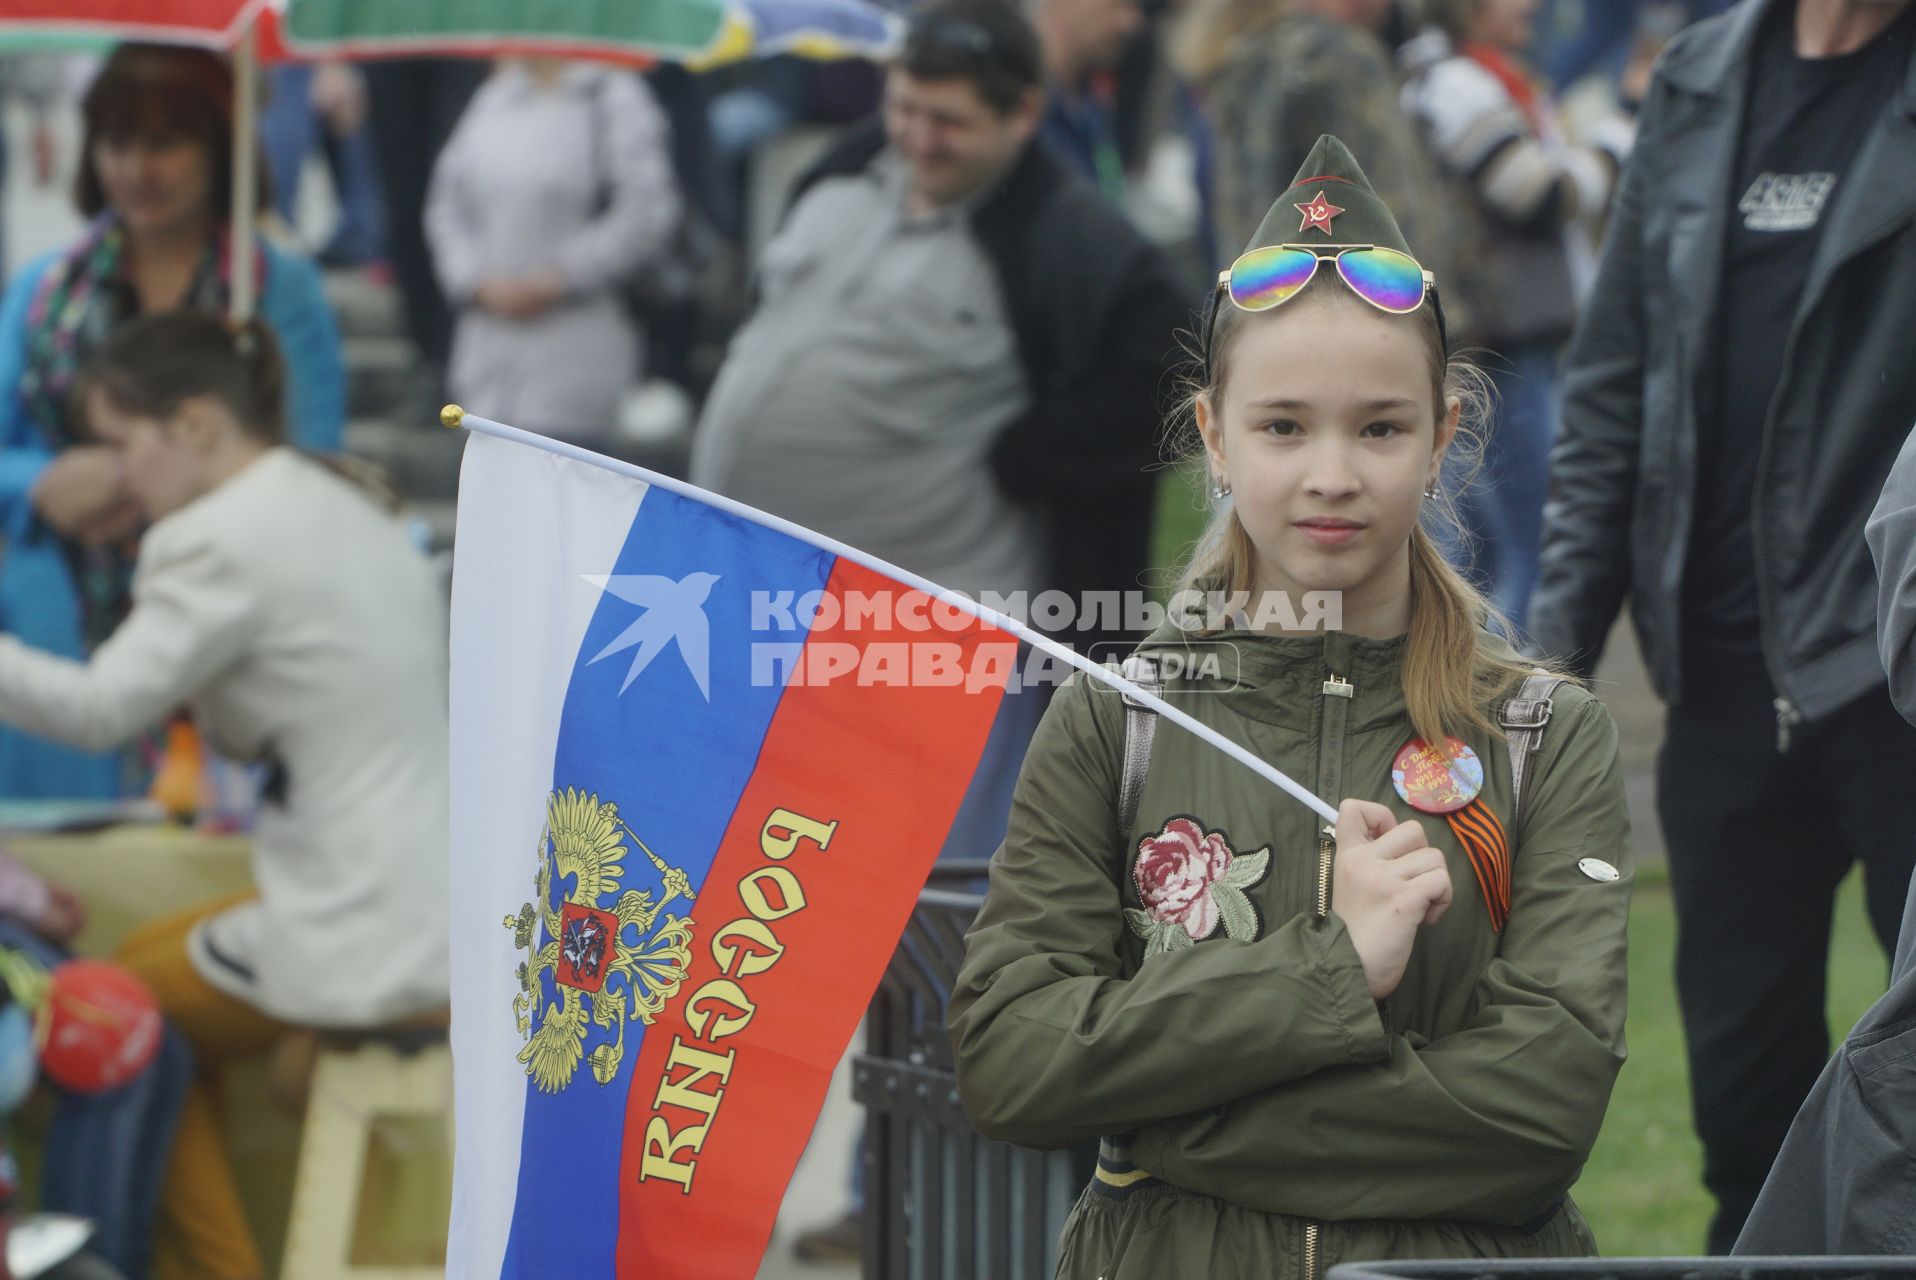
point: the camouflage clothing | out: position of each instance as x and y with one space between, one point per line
1287 85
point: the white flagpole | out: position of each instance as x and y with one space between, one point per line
245 207
453 416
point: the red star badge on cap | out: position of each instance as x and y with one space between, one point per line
1318 213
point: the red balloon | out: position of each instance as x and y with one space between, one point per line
99 1027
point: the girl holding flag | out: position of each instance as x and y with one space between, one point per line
1301 1046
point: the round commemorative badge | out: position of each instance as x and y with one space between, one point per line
1430 783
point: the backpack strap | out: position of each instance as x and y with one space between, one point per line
1523 718
1140 727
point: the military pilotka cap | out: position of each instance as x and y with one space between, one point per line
1331 204
1330 201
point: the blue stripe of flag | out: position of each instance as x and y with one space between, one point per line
676 765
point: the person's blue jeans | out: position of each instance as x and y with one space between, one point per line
1502 506
106 1154
289 129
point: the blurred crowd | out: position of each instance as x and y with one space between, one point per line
928 313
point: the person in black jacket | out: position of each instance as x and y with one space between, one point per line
1845 1181
868 298
1734 397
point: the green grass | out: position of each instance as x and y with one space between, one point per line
1642 1190
1179 518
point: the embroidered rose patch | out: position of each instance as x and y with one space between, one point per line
1190 881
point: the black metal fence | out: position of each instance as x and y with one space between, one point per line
1636 1269
942 1202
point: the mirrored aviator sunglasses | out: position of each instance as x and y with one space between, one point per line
1271 276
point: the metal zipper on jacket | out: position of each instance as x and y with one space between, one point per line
1338 693
1326 855
1787 719
1787 716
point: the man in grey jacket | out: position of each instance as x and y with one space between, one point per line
1892 543
1738 382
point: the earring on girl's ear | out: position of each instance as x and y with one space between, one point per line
1430 490
1220 489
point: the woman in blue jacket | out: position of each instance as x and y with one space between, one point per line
155 181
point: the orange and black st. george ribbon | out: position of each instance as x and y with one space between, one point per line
1482 836
1449 781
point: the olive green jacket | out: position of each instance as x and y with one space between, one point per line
1273 1120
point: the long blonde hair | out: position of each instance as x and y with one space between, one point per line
1453 668
1208 34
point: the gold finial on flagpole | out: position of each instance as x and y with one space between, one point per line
452 416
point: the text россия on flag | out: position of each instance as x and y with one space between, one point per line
676 881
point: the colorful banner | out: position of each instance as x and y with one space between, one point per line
69 23
695 32
689 823
698 33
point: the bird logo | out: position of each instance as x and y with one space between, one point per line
672 611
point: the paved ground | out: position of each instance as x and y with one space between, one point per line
820 1188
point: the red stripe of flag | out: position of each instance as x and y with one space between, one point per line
887 766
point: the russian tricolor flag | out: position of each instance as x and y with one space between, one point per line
694 798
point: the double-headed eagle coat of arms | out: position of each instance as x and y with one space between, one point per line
610 956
